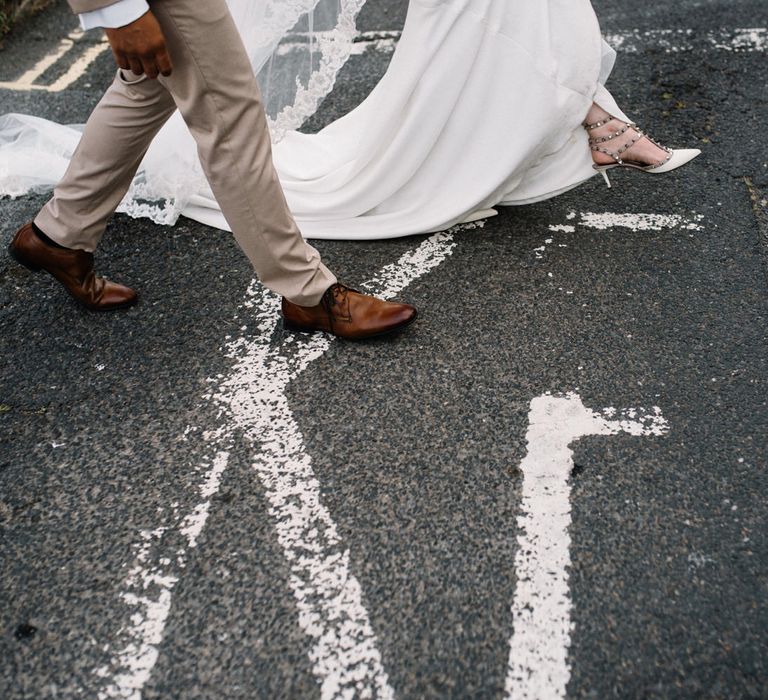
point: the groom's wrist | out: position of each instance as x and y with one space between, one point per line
114 16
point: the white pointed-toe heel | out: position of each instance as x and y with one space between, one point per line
676 158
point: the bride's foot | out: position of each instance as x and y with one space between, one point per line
618 144
614 141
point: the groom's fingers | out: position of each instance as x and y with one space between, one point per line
150 67
156 64
141 47
134 63
164 64
120 59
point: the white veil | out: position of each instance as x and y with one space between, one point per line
296 48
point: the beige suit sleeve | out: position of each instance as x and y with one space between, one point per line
79 6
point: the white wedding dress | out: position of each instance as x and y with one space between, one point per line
481 106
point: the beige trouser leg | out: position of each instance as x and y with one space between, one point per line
214 88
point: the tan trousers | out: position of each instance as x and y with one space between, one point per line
214 88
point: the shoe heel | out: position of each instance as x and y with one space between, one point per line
604 173
21 261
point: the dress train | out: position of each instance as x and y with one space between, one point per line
481 106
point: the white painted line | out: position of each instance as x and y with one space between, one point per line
193 524
640 221
65 45
78 69
538 656
746 40
16 87
344 652
602 221
148 589
755 39
395 277
138 657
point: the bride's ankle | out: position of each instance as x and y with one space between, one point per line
607 133
613 140
608 128
596 114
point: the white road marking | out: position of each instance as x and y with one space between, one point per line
640 221
603 221
194 522
745 40
344 653
538 656
148 589
65 45
76 70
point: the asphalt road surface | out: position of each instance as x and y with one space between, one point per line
553 485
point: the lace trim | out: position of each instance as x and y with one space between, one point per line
137 205
159 199
13 185
154 201
335 49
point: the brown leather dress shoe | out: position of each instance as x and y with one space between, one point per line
73 268
348 314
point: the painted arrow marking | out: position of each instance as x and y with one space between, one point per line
538 655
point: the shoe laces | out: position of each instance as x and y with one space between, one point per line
335 295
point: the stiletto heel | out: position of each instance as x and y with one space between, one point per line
675 157
604 173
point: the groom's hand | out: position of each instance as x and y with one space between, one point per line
140 47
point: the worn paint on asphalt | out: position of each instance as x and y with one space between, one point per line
538 653
344 651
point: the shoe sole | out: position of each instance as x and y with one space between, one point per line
650 169
35 268
294 327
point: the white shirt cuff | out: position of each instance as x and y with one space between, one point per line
113 16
